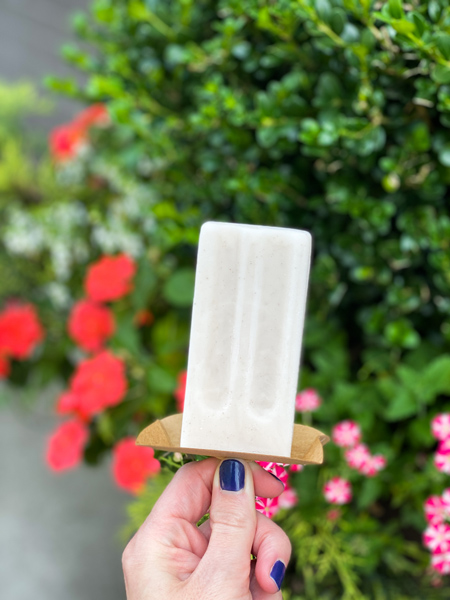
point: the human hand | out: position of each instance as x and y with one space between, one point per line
170 558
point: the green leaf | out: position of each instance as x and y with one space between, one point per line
324 10
370 491
434 10
179 288
63 86
401 333
402 406
403 26
436 376
444 155
420 23
160 380
420 432
338 20
267 136
105 428
126 335
396 9
440 74
419 137
442 41
144 284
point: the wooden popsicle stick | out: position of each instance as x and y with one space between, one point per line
165 434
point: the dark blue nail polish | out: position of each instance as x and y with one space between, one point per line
277 573
232 475
277 478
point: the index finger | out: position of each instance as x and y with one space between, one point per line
188 495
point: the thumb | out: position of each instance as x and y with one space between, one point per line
233 523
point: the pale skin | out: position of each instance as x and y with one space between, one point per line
170 558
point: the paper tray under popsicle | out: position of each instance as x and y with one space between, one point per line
165 434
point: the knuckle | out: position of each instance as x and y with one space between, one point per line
229 520
128 555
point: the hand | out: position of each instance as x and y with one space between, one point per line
170 558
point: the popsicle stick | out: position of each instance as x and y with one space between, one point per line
307 443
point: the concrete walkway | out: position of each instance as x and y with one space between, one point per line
58 532
32 33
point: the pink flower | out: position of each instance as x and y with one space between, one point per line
440 426
288 498
337 491
373 465
357 456
333 514
444 446
441 563
267 506
435 510
276 469
442 461
437 538
295 468
346 434
307 401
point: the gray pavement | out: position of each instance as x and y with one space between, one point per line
32 33
58 533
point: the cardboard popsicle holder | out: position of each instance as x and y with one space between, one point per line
165 434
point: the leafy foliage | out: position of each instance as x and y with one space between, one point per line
326 115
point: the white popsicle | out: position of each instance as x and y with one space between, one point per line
246 333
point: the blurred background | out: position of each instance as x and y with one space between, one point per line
125 125
60 533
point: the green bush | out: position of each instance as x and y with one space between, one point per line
331 116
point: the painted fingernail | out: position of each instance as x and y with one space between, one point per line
277 478
277 573
232 475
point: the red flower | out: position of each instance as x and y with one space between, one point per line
90 325
110 278
143 317
180 392
4 367
66 444
98 383
95 115
68 404
132 465
66 141
20 330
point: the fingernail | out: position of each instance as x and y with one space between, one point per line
232 475
277 573
277 478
